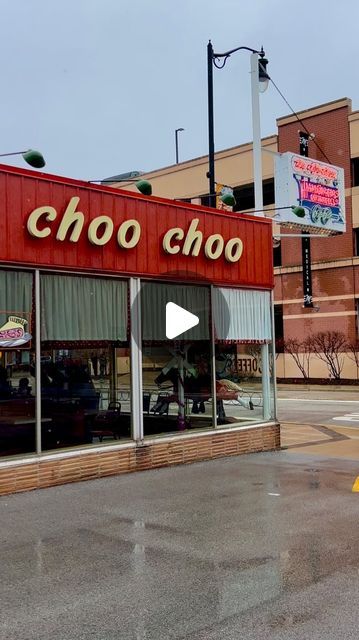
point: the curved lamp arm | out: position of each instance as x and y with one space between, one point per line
32 157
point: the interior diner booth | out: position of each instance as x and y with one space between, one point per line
92 367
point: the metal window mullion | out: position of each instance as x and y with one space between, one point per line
213 354
136 360
37 362
274 368
266 381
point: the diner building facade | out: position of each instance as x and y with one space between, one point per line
334 138
90 383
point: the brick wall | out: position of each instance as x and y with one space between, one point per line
314 322
335 283
90 465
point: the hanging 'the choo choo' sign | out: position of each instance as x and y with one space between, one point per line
316 188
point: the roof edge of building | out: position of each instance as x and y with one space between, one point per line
315 111
182 166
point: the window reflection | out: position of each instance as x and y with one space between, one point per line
86 394
85 361
85 373
177 387
17 372
177 378
17 403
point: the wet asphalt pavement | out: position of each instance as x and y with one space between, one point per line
255 547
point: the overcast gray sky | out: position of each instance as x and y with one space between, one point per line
99 86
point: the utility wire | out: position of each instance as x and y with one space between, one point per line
300 121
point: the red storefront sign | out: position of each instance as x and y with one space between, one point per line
53 222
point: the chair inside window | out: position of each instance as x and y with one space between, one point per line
108 423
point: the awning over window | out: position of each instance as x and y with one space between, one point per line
249 315
78 308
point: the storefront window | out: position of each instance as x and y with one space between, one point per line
85 361
177 374
17 372
238 383
85 372
243 388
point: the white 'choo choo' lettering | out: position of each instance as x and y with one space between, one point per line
193 240
100 229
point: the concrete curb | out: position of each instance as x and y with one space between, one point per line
317 387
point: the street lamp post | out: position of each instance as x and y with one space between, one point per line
32 157
176 141
259 83
259 77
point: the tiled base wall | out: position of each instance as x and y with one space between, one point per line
87 466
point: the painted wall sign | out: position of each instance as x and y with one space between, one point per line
317 187
53 222
13 333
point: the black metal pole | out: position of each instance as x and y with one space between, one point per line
176 137
306 258
210 174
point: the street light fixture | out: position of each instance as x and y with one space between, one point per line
32 157
259 83
263 76
228 199
143 186
176 140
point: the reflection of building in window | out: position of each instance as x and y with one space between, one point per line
247 365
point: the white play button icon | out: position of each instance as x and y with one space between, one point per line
178 320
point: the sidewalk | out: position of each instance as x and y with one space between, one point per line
318 387
318 392
336 442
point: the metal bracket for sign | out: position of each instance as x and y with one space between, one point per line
299 235
312 307
273 153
